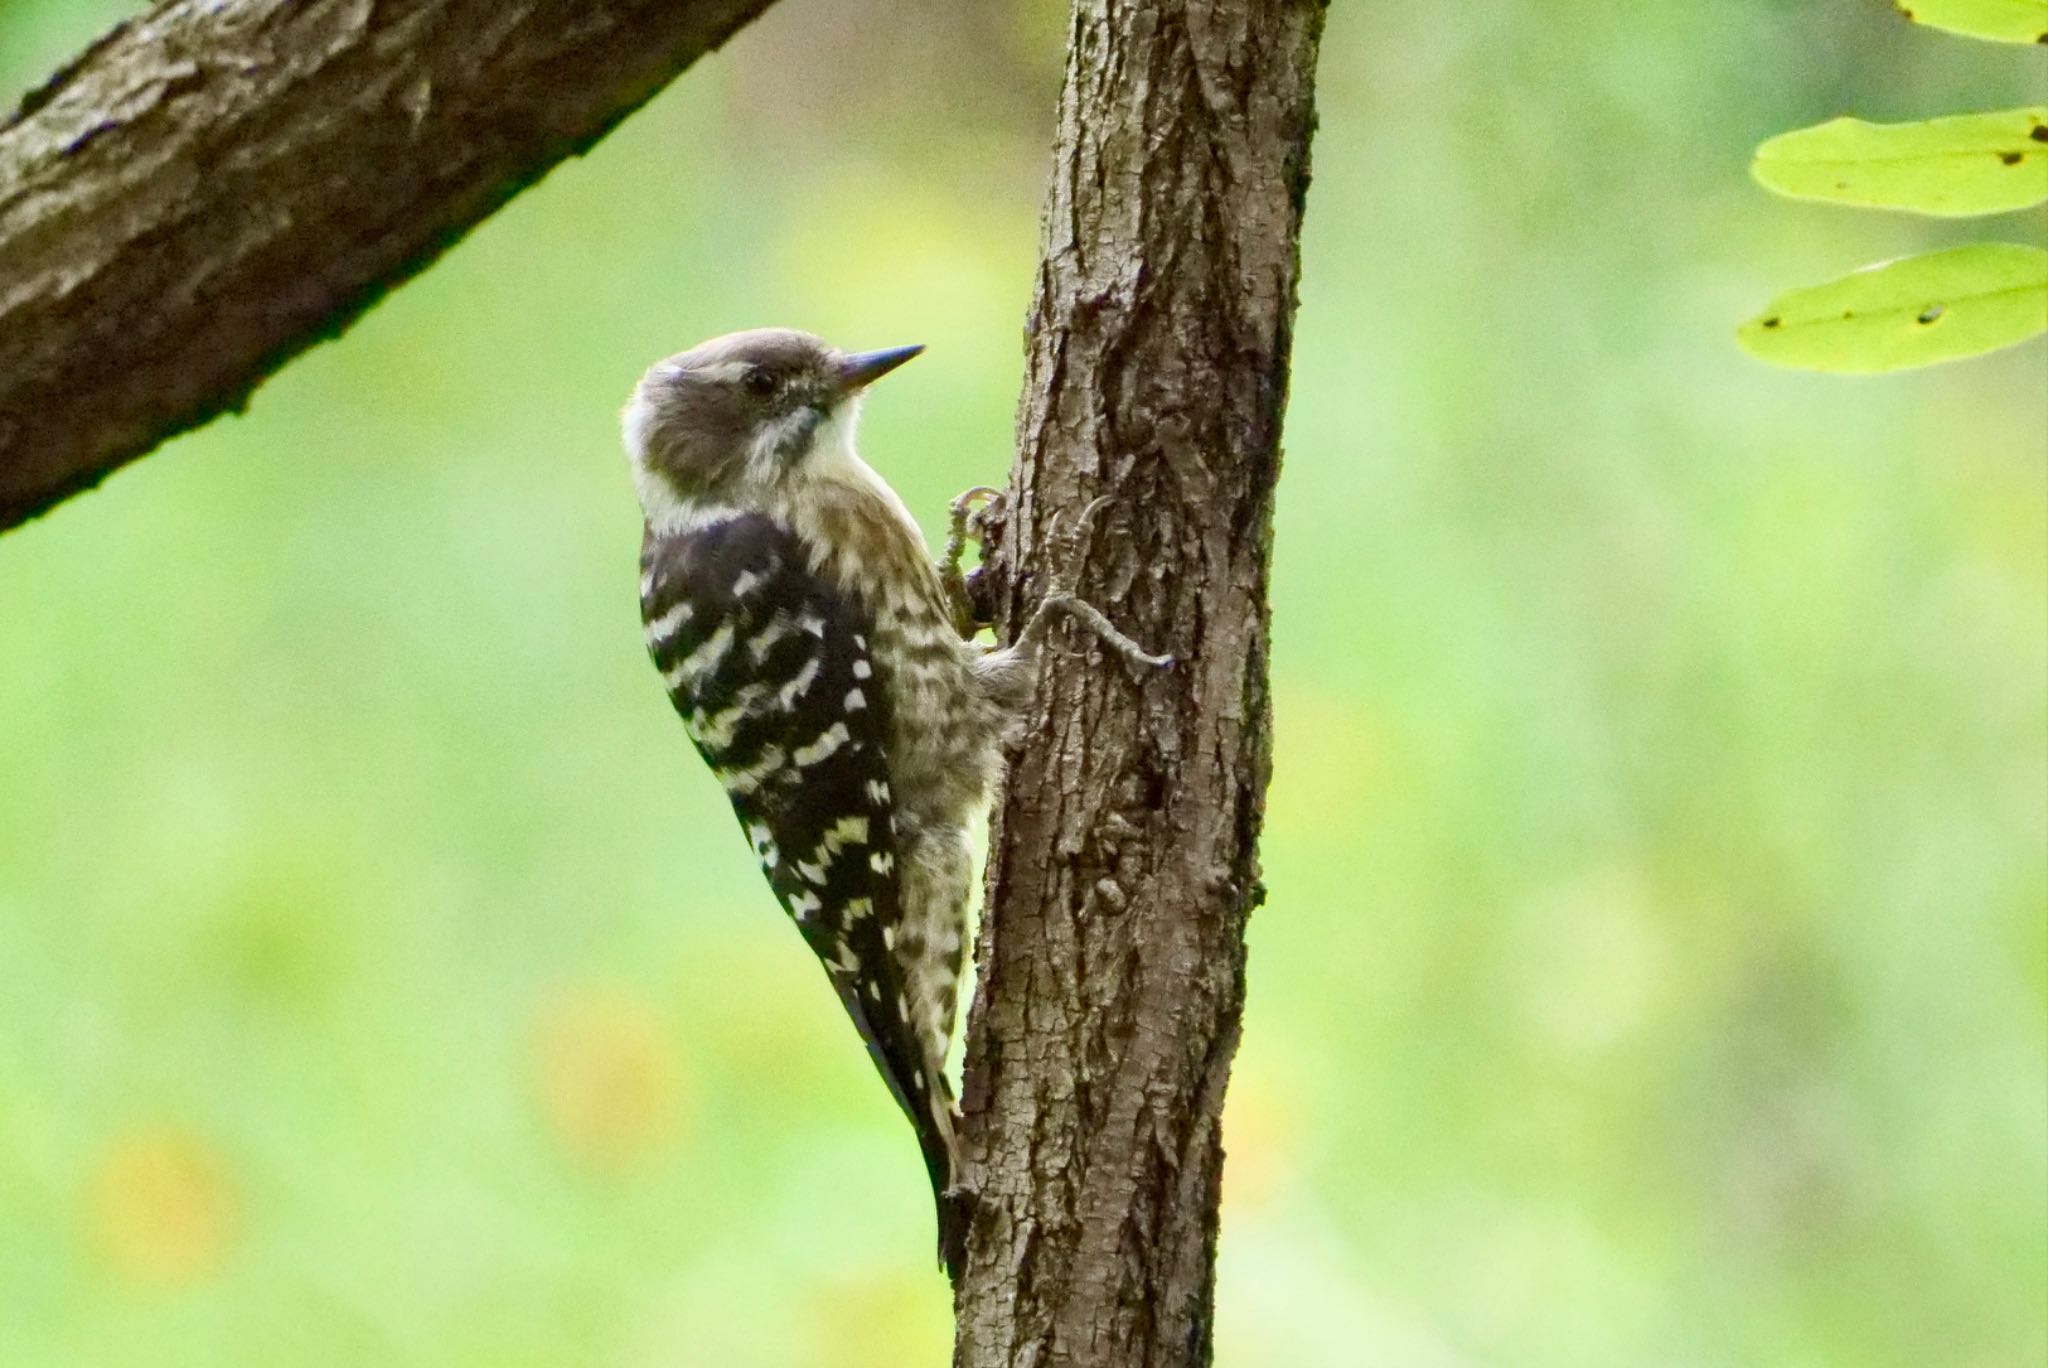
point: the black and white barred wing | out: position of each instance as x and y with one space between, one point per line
768 665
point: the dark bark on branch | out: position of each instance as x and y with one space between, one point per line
213 187
1123 862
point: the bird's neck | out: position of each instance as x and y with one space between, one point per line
852 525
832 473
856 528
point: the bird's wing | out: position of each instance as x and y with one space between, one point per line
767 662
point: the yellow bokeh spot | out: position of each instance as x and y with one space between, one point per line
1332 760
877 1320
1262 1118
607 1076
162 1208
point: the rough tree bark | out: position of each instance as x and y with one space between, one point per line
218 184
1123 862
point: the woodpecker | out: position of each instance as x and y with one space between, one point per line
820 667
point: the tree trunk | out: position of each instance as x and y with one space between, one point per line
218 184
1123 860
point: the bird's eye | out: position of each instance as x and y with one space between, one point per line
759 382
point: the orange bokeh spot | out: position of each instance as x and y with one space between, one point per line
607 1076
162 1207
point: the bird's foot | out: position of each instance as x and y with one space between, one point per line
972 508
970 512
1091 617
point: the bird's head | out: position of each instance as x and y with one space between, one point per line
738 417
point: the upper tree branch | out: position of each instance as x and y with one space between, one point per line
218 184
1123 863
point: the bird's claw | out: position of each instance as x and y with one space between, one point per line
971 511
1091 617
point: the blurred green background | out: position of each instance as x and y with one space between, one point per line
1656 969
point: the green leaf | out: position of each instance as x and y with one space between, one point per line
1967 164
1940 306
2006 21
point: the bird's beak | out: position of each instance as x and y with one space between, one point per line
864 368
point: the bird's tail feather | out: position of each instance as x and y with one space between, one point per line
920 1088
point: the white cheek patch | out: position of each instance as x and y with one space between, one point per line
772 441
636 424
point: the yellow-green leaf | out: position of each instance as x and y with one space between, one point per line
1913 312
1967 164
2006 21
